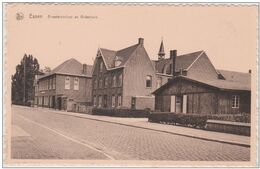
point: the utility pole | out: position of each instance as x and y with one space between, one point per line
24 72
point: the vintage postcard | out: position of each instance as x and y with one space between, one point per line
136 85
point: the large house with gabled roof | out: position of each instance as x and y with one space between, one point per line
66 87
122 76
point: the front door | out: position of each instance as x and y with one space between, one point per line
59 103
178 104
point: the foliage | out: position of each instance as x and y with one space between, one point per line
23 79
195 120
120 112
192 120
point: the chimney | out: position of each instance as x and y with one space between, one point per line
173 54
249 71
141 41
84 69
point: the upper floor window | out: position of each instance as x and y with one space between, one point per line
67 82
95 83
120 80
101 66
100 83
159 82
76 83
53 83
117 61
114 80
50 83
106 82
148 81
235 101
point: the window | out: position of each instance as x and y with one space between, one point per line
113 101
106 82
159 82
53 83
114 81
40 101
235 101
67 82
95 83
120 80
99 101
119 101
94 100
76 83
46 100
101 67
148 81
100 83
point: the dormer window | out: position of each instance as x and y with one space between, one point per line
117 61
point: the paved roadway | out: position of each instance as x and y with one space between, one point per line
44 134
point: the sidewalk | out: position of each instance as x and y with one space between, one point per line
177 130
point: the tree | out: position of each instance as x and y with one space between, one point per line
23 80
46 69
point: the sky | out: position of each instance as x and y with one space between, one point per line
228 34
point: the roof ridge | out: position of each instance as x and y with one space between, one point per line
127 47
232 71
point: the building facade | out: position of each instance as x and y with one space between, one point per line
67 87
121 77
195 86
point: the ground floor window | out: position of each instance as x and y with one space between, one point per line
46 100
119 101
99 101
94 101
235 101
40 101
113 101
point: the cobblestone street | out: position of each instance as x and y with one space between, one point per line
42 134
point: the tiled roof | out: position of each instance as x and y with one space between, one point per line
215 83
123 55
182 62
109 56
71 67
235 76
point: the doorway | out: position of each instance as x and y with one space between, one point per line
179 104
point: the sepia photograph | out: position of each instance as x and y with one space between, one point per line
130 84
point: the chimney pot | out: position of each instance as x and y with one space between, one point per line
141 41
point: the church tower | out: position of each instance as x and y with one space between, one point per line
161 54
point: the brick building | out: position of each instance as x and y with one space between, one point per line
191 84
121 78
67 87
